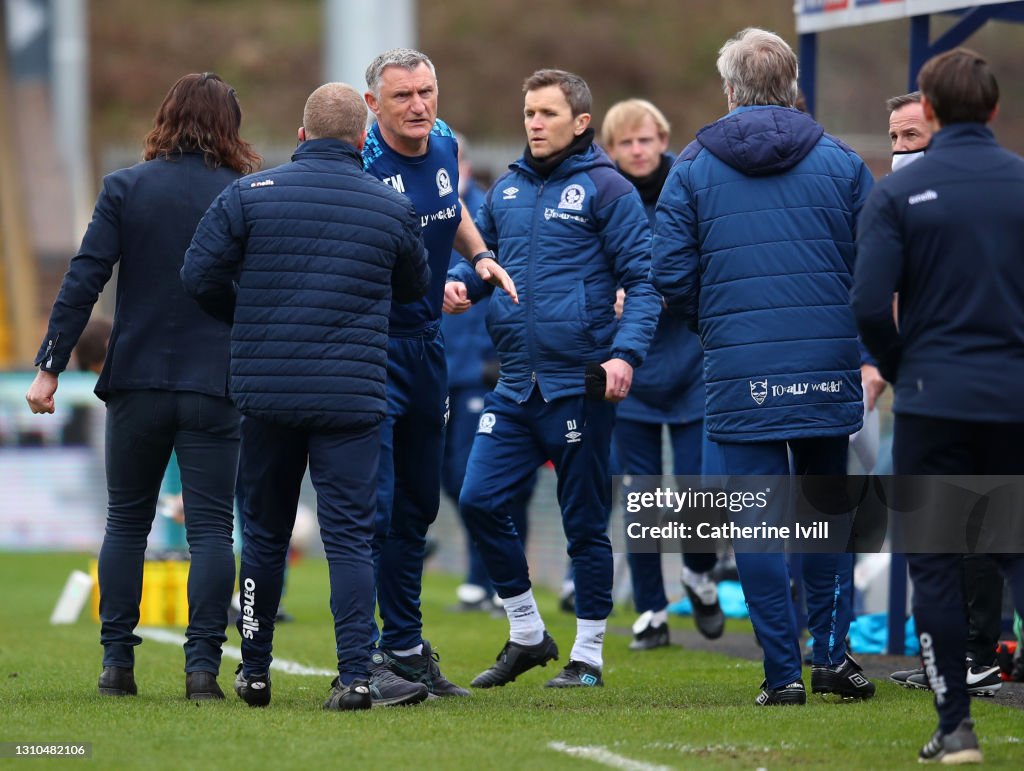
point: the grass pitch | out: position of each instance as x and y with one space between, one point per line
669 708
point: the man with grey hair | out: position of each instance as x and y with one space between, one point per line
416 154
304 260
909 132
753 244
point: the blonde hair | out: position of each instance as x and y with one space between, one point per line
630 114
337 111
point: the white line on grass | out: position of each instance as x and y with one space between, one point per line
606 757
282 665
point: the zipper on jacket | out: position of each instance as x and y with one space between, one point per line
530 282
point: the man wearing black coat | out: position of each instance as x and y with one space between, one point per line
946 234
318 249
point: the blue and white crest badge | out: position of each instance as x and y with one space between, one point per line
572 198
444 183
759 390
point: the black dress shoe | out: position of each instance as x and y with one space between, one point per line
201 686
118 681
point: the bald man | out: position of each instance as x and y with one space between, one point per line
305 260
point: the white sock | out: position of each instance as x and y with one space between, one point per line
526 627
410 651
589 641
649 619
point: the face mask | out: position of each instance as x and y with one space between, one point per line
903 158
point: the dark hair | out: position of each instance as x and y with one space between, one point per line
575 88
91 349
894 103
960 87
201 112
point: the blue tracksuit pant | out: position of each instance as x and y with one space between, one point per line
465 406
409 482
142 428
512 441
926 445
343 469
828 578
638 449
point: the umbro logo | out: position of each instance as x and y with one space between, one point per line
509 193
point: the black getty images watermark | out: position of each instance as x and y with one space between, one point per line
908 514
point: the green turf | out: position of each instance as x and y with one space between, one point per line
670 707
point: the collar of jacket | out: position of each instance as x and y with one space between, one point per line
327 148
960 134
591 158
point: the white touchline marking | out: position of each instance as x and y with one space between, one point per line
281 665
606 757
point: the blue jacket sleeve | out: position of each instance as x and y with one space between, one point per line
87 274
675 253
877 276
626 240
214 258
410 279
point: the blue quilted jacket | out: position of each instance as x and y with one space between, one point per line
754 243
304 258
567 241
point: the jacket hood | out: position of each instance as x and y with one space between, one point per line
761 140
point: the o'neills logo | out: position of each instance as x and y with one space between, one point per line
937 681
250 624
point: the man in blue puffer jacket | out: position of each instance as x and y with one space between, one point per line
569 230
318 249
754 243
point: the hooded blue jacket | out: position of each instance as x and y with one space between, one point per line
754 242
567 241
317 246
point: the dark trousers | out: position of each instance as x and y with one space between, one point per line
142 429
638 448
513 440
409 481
343 469
923 445
465 406
764 574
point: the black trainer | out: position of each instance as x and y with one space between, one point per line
788 695
515 659
845 679
254 690
118 681
423 668
646 636
952 749
983 680
707 611
388 689
910 678
202 686
577 674
355 695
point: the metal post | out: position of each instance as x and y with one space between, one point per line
71 103
809 69
355 32
919 48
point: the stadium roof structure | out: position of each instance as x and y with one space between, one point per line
814 16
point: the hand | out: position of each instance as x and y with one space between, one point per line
620 378
872 382
40 393
456 299
620 301
491 272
